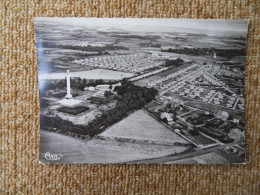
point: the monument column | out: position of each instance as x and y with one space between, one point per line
68 96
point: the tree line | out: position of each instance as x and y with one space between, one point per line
75 82
84 48
173 62
208 51
80 84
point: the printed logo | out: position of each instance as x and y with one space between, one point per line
50 156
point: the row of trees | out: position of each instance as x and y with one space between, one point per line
129 98
76 83
80 84
84 48
150 44
208 51
177 62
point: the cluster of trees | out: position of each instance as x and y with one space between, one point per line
80 84
55 122
107 93
44 103
129 98
211 129
170 109
221 136
133 97
73 111
142 37
208 51
150 44
201 119
51 86
177 62
84 48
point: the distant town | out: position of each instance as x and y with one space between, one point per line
141 97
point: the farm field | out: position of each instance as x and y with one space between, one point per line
149 150
91 74
101 151
143 127
78 151
210 158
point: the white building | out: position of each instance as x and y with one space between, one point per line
222 115
167 115
90 88
104 87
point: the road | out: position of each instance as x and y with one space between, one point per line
182 156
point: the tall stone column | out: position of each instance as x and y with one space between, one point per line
68 96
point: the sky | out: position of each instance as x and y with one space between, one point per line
150 24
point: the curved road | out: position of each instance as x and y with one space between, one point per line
182 156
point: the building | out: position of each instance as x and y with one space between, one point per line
236 134
90 88
223 115
167 115
104 87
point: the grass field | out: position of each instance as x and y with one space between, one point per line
78 151
210 158
98 151
143 127
148 150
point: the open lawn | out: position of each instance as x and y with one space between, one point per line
143 127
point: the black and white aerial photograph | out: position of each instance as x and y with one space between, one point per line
141 90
